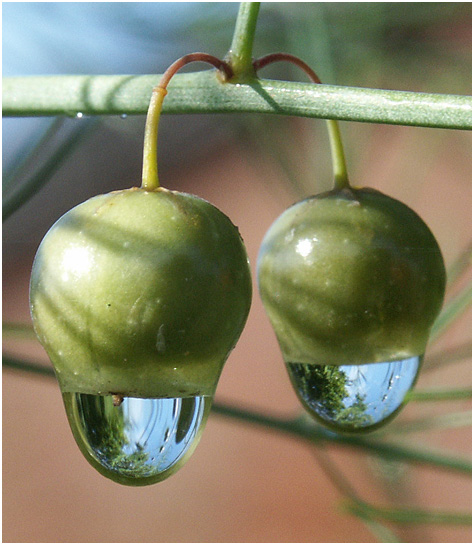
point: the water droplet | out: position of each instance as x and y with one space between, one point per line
123 116
79 115
140 441
354 398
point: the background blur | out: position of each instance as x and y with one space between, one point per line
243 484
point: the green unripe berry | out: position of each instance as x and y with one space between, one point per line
351 277
140 293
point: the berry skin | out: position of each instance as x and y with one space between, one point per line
140 293
351 276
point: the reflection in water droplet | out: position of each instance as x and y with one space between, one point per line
354 398
141 441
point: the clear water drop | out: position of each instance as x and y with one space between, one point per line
123 116
79 115
139 441
354 398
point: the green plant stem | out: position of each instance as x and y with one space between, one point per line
340 174
13 330
439 394
344 486
240 53
28 155
314 433
448 356
20 365
435 422
407 515
460 266
201 92
306 429
451 311
380 531
20 195
150 180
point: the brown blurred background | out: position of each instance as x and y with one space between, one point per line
244 483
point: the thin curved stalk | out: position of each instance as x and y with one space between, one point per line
150 180
340 173
202 92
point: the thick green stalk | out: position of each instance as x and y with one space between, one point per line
201 92
240 53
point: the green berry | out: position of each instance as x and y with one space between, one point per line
140 293
351 277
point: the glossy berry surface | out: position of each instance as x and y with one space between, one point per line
351 277
140 293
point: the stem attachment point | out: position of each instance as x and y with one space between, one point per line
150 180
340 173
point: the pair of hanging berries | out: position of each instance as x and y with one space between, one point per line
139 296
